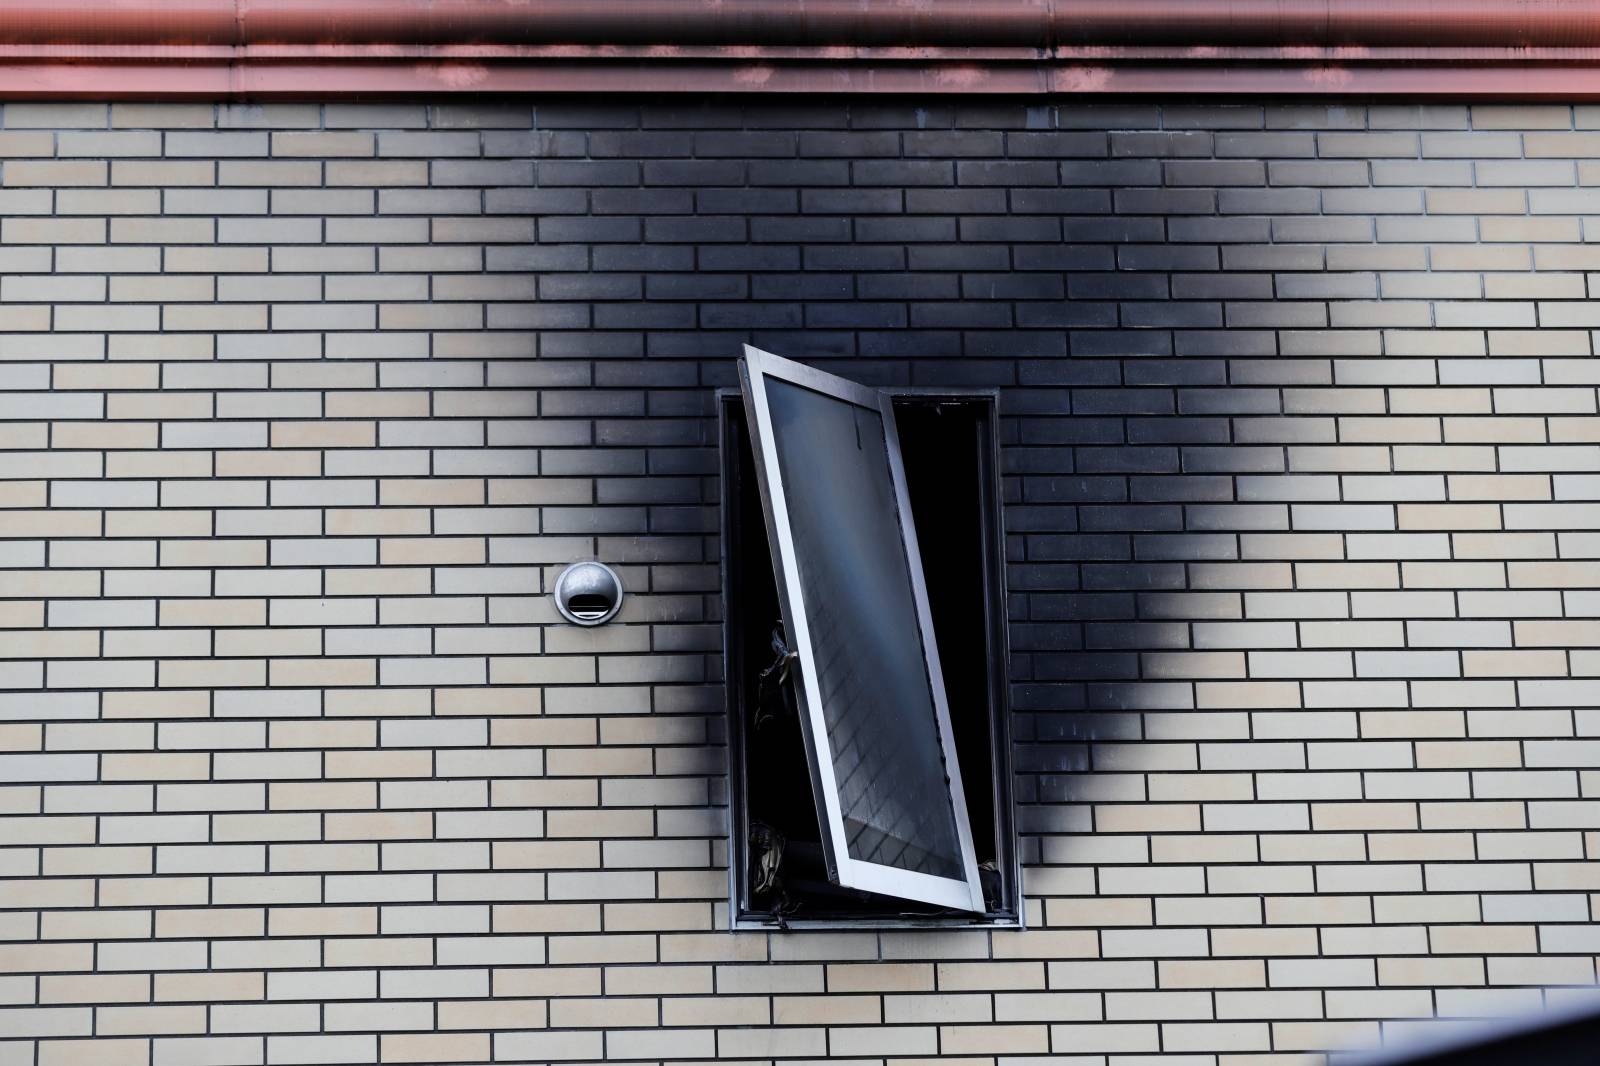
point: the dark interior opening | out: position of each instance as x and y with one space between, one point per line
947 449
588 604
940 446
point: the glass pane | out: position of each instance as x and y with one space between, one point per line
871 669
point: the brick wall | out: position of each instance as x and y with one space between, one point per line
302 405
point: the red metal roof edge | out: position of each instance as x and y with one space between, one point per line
1501 49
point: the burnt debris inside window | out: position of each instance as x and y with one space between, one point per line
865 654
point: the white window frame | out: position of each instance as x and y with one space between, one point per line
966 894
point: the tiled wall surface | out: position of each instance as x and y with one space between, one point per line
301 405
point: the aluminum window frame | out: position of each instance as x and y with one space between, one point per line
966 895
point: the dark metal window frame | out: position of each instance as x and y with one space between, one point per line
1009 911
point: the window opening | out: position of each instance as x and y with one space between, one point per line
871 776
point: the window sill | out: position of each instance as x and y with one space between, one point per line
762 924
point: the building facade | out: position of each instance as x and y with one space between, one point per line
306 403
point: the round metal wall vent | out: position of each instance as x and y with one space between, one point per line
588 593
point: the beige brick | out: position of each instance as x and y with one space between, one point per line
1431 971
95 988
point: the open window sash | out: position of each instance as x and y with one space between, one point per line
870 691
